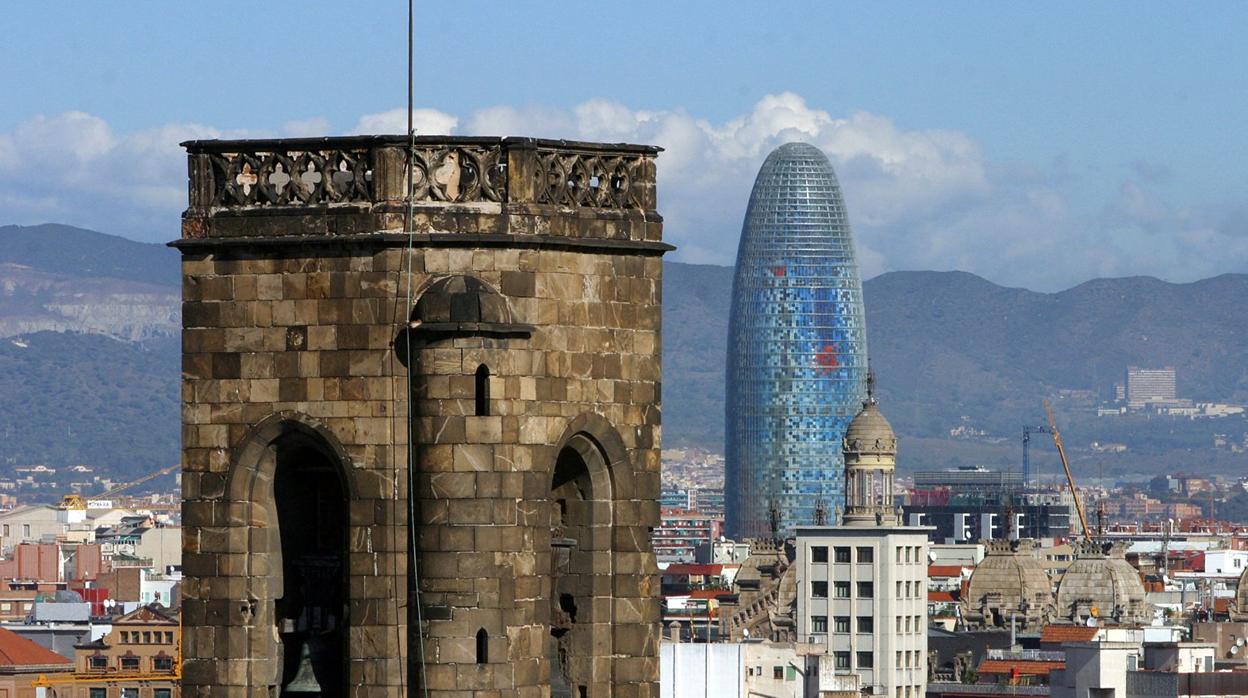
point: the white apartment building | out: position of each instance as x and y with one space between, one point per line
862 594
862 585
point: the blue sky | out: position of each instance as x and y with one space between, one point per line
1035 144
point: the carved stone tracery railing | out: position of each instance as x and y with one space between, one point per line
373 169
291 177
472 173
581 179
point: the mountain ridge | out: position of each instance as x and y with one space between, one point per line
951 349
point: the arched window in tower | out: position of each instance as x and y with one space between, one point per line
483 391
483 647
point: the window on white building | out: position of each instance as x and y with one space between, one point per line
841 660
818 624
840 624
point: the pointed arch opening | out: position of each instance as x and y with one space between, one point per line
290 478
482 392
483 647
581 538
309 496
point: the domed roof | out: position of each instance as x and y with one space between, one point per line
1010 580
868 428
1101 583
1239 608
461 298
798 151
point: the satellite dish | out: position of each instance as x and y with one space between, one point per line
745 632
1235 650
1239 642
1091 622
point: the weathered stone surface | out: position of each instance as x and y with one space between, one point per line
533 349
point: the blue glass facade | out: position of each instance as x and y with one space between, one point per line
797 347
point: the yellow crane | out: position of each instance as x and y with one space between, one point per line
77 501
1070 479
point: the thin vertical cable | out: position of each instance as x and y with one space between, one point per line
407 264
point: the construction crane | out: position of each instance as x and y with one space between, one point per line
77 501
1070 479
1027 432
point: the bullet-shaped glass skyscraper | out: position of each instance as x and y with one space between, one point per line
797 348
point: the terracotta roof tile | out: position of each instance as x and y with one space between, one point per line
691 568
945 570
1022 667
1067 633
16 650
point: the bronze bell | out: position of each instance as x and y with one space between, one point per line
305 678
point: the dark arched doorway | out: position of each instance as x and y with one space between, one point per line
580 530
310 500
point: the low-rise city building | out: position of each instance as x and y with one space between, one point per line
862 588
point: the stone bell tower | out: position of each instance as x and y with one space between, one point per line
508 349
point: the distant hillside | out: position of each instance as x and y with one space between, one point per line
75 398
950 344
63 279
951 349
64 249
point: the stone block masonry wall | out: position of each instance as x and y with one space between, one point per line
533 505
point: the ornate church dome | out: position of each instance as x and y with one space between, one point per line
1008 582
869 450
870 432
1101 584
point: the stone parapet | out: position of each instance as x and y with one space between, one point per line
478 186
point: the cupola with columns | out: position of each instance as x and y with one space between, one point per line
870 449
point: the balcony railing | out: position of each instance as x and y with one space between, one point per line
365 170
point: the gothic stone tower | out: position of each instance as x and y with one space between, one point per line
527 305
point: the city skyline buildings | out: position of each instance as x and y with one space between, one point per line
797 348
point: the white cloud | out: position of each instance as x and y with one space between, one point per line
427 122
917 198
307 128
